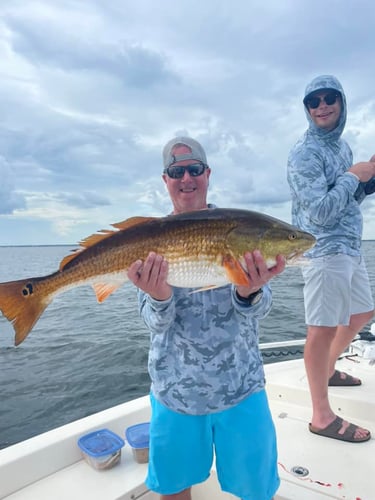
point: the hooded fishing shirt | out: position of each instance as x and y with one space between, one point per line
325 196
204 354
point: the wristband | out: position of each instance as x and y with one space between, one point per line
252 299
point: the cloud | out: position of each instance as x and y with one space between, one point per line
91 91
10 200
67 51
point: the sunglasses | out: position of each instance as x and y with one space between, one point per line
195 169
329 99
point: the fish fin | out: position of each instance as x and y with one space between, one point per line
235 272
22 306
104 290
132 221
86 243
298 261
205 288
68 258
102 235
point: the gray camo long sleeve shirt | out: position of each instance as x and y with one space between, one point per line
325 196
204 354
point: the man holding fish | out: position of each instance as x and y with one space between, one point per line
206 370
202 274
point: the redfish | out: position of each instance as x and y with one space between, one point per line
204 249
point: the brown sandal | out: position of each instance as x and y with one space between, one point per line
332 431
338 380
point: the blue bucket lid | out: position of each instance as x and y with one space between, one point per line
101 442
138 436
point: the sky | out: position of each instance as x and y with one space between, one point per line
90 91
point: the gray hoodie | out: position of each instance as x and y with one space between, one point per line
325 196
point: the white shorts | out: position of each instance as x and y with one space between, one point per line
336 286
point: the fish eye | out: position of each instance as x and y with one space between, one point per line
292 236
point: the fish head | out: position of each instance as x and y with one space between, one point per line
271 236
288 241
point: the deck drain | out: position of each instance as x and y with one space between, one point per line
299 471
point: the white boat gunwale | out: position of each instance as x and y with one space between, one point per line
50 465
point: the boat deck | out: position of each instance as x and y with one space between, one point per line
50 466
335 469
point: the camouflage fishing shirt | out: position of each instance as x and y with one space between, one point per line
325 197
204 354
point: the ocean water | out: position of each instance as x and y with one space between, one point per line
82 357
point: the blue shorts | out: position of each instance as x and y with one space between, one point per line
243 437
336 286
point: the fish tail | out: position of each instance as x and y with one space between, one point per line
22 306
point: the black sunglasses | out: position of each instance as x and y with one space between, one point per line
329 99
177 172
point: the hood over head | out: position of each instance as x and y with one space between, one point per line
326 82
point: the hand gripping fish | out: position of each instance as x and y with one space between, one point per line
204 249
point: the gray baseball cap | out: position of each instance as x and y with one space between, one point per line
197 152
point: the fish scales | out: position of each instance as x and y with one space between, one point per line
189 244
